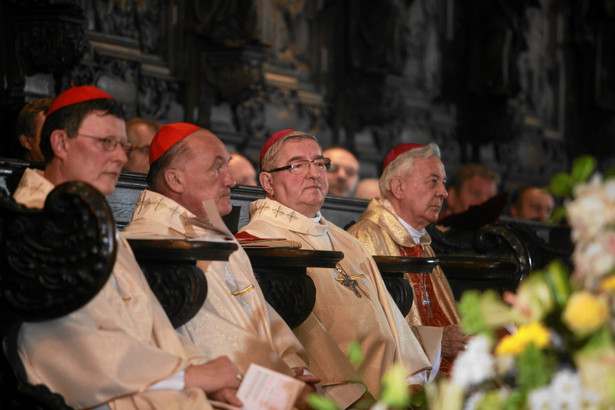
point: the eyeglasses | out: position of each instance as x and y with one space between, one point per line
109 143
301 166
351 172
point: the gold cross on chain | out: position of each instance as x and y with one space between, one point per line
347 281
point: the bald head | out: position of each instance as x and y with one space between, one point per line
242 170
194 170
343 175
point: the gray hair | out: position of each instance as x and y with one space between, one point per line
402 165
270 158
175 157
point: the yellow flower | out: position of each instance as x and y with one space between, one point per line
585 312
608 284
516 343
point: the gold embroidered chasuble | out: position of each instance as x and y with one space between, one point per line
115 347
235 319
380 231
339 315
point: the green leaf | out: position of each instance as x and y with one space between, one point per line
472 320
515 401
491 401
319 402
395 391
610 173
534 367
561 185
582 168
558 214
557 277
355 356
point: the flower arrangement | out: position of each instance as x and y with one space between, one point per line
560 352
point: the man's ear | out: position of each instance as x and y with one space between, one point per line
174 180
266 180
25 142
397 188
58 143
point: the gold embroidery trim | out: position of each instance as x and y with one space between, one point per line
243 291
277 212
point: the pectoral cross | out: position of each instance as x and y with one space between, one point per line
426 301
348 281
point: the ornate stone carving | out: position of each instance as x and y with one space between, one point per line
376 47
48 38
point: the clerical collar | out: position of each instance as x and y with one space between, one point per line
416 235
317 217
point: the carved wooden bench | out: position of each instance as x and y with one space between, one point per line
496 257
53 261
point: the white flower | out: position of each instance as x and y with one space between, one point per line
592 210
379 405
595 259
540 399
473 400
475 365
564 392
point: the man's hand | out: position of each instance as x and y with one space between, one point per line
302 374
453 341
309 388
219 378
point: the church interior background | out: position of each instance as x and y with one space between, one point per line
522 86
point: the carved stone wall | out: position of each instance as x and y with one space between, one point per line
522 86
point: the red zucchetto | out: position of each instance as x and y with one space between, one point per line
167 136
397 151
272 140
76 95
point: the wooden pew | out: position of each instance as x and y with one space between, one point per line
496 257
53 261
170 268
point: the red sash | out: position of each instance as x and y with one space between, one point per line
438 318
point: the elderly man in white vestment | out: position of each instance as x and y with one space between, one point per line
352 302
189 166
120 350
413 191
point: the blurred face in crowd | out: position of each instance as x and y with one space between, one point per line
473 191
534 203
33 143
85 157
242 170
202 173
368 189
344 173
140 136
421 193
303 188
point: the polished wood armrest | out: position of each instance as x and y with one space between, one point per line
281 274
403 264
280 258
181 249
170 268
